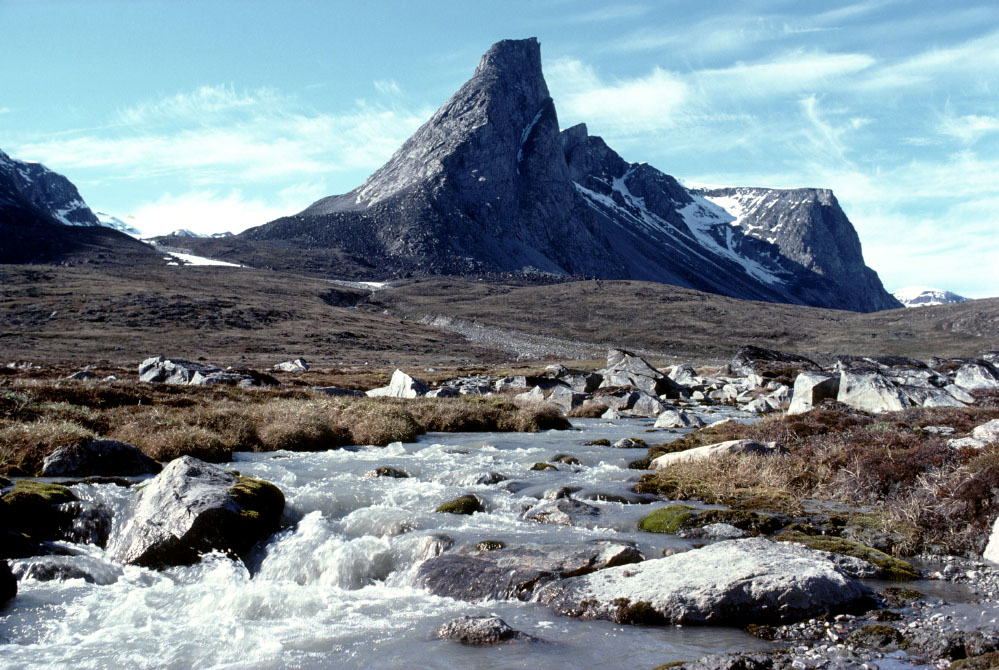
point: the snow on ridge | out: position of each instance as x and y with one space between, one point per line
702 217
527 133
924 296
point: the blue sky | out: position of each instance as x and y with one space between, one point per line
221 115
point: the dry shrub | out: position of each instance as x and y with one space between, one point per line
378 422
23 446
454 415
176 441
588 411
534 417
298 425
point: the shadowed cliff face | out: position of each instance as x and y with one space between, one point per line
489 184
32 190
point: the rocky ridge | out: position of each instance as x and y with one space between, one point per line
490 184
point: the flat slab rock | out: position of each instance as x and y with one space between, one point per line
514 572
727 448
729 583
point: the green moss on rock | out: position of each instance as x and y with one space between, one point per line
543 466
891 568
466 504
489 545
669 519
602 442
983 662
261 501
878 636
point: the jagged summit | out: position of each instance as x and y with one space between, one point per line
489 183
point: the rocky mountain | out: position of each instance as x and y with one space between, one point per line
922 296
44 219
112 221
184 232
490 184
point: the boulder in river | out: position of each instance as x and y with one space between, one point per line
99 458
811 388
677 418
508 573
734 582
33 512
8 584
191 508
727 448
401 386
60 568
563 511
480 631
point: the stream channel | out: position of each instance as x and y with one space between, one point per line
336 588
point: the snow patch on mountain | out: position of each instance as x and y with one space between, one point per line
922 296
112 221
176 258
707 221
184 232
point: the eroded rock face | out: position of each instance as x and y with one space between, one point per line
191 508
811 388
626 369
177 371
101 458
510 573
729 583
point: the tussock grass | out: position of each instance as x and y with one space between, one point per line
166 421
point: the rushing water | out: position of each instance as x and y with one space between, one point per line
335 590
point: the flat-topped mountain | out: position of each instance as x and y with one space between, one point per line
43 219
490 184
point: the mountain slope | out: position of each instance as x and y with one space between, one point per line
43 219
489 184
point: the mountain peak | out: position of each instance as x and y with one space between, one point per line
506 56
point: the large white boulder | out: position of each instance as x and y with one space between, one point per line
976 376
401 386
727 448
870 392
677 418
728 583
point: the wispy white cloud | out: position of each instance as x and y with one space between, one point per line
220 135
387 87
614 13
5 110
970 127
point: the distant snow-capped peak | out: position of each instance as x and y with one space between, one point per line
921 296
112 221
184 232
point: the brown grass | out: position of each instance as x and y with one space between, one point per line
164 421
909 477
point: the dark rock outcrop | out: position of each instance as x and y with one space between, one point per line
8 584
100 458
33 513
489 184
191 508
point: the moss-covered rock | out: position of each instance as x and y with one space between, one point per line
543 466
988 661
669 519
31 513
674 518
259 500
878 636
602 442
566 458
891 568
466 504
899 596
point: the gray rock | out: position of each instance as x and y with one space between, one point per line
61 568
626 369
534 395
811 388
401 386
677 418
976 376
297 366
444 392
563 511
99 458
718 450
734 582
646 406
480 631
566 399
762 405
191 508
82 375
981 436
611 413
621 400
176 371
510 573
684 375
581 382
714 531
751 359
628 443
870 392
